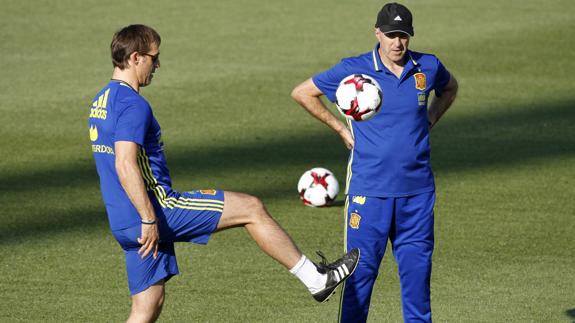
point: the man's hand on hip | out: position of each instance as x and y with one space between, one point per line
346 136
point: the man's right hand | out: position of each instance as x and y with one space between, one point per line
346 136
149 240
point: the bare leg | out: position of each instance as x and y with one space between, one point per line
147 305
248 211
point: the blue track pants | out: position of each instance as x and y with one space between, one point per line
408 223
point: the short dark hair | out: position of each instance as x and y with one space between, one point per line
132 38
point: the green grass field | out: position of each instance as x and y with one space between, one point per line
503 156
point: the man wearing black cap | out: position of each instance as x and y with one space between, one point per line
390 185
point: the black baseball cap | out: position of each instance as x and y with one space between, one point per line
394 17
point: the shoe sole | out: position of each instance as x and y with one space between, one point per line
343 280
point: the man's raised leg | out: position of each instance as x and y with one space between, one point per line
248 211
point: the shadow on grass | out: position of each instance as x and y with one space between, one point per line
501 139
52 223
570 313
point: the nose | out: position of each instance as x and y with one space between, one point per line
397 42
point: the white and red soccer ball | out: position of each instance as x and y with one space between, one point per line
317 187
358 97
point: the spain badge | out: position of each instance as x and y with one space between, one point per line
420 83
354 220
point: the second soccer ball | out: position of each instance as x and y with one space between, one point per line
317 187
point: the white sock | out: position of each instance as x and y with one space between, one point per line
307 273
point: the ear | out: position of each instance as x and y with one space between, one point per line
134 58
376 31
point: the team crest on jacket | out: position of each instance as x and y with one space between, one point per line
354 220
208 192
420 83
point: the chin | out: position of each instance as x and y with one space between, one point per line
399 58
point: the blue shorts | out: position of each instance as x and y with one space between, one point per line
194 220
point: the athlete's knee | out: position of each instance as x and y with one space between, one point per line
160 304
415 254
254 208
144 313
147 308
159 307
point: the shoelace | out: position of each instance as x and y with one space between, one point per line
324 262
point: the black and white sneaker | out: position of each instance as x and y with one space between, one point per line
337 272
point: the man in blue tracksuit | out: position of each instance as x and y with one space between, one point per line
390 185
146 215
